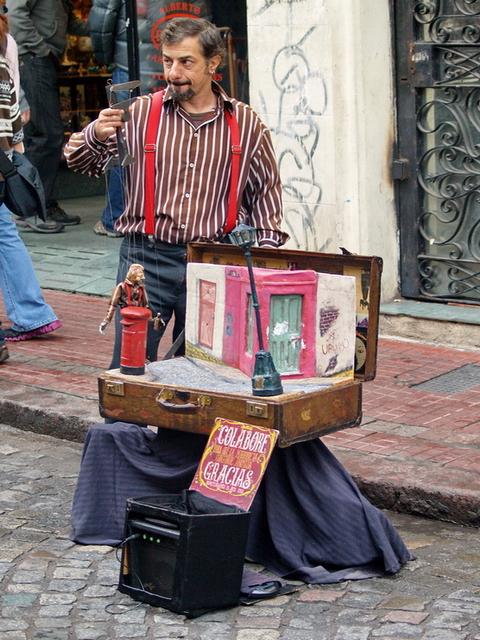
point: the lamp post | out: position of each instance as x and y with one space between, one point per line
266 380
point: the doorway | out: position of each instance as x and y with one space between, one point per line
437 162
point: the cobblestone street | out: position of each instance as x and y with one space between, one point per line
54 589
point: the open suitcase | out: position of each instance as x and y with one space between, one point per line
297 415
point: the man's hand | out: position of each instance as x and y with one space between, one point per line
107 123
102 327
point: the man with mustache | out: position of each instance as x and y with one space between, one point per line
190 183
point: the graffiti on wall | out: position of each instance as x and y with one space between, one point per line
268 3
300 97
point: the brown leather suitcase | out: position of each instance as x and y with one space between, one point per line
298 414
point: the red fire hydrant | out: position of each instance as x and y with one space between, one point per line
134 339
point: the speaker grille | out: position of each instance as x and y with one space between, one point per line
153 557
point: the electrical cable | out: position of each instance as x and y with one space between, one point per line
126 606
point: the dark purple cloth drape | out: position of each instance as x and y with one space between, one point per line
308 521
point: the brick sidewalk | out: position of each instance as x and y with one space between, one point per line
410 436
439 427
68 359
71 358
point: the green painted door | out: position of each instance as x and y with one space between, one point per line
284 334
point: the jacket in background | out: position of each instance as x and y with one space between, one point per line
40 27
108 32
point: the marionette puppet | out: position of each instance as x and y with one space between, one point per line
129 293
130 296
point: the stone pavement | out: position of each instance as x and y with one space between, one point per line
76 259
53 589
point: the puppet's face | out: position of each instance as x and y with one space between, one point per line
136 274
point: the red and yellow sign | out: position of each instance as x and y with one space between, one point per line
234 461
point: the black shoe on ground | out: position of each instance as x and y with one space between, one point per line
57 214
4 355
50 226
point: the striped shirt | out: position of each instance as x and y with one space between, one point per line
192 172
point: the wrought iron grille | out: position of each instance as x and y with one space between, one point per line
447 80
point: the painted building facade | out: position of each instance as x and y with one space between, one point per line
321 79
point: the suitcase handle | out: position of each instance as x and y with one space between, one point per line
165 397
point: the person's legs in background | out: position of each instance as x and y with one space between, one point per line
115 193
44 132
115 204
24 302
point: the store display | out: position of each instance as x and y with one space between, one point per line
81 80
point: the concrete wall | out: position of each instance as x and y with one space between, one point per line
321 79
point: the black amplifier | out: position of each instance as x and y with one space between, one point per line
184 552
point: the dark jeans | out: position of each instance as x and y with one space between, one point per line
115 198
165 283
44 133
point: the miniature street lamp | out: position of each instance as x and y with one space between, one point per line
266 380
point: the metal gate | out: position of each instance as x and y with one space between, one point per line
437 163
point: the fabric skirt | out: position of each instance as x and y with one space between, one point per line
308 522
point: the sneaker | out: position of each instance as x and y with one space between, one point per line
100 230
40 227
11 335
4 355
59 215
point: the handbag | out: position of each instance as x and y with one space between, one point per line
24 194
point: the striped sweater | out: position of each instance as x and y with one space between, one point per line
10 123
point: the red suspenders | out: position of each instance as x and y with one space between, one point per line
236 153
150 149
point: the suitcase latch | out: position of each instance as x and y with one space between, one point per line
115 388
257 409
